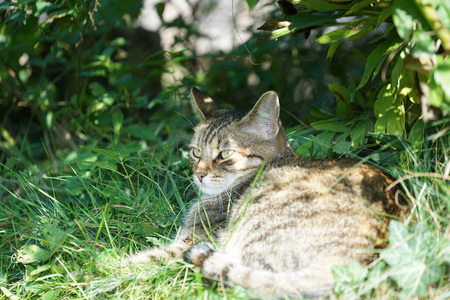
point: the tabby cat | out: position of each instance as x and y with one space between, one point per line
279 222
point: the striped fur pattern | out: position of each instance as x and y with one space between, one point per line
278 222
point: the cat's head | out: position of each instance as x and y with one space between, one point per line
229 146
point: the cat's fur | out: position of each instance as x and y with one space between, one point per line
280 222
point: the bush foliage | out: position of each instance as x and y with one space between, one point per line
409 41
95 122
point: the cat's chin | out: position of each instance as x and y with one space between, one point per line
212 190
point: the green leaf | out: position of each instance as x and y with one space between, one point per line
97 89
317 147
392 122
397 67
415 276
439 87
17 16
407 85
58 14
119 42
407 17
424 45
321 144
53 237
340 93
8 293
144 228
321 5
302 20
43 6
336 35
389 111
412 258
117 119
445 249
436 96
160 7
404 23
348 277
32 253
441 75
4 5
342 96
363 32
393 141
416 134
398 232
358 134
342 147
110 153
103 165
358 6
333 126
422 244
252 3
377 57
40 269
443 12
108 99
332 49
97 288
50 295
355 28
140 132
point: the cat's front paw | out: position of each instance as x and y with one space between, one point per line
148 256
198 253
162 255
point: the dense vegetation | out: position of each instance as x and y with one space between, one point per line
95 121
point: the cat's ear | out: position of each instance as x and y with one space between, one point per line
203 106
263 119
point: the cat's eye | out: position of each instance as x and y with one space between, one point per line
196 152
226 153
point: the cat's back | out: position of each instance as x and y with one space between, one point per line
336 183
341 178
312 209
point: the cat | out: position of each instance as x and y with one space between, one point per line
278 222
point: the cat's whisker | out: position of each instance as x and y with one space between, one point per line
189 189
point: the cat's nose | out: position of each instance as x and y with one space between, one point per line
200 175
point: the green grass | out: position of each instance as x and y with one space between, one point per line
64 228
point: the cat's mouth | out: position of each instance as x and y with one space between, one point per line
212 185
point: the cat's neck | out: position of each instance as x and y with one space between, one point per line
284 155
290 159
